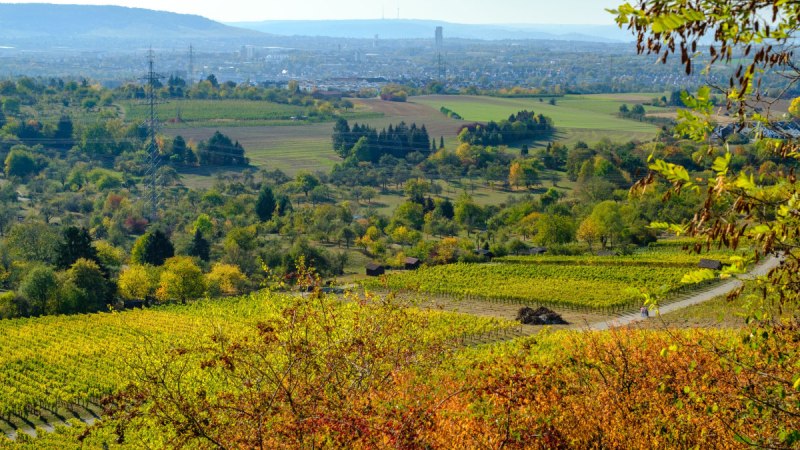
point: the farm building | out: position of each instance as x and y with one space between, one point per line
537 251
411 263
712 264
375 270
485 253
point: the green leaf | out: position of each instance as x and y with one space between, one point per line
745 182
693 15
698 276
721 164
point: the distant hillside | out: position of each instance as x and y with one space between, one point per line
101 26
423 29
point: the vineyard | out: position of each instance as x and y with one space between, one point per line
50 363
608 283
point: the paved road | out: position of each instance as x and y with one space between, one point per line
721 289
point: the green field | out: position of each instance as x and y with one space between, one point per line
576 117
288 148
177 113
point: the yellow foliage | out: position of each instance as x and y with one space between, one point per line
136 282
225 279
181 280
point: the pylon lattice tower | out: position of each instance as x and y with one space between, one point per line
151 175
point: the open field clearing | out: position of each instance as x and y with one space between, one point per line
289 148
413 111
178 113
573 115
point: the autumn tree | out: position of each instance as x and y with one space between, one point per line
756 37
589 232
180 279
137 282
225 279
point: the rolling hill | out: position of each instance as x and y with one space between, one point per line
106 27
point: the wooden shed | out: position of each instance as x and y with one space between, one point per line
485 253
375 270
411 263
537 251
133 304
712 264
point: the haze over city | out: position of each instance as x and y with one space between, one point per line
465 11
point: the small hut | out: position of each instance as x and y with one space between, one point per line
375 269
411 263
712 264
535 251
485 253
133 304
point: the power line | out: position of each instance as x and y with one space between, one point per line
152 122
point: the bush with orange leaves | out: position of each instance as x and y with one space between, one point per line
635 389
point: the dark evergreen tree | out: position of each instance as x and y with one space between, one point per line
200 247
63 136
76 244
445 209
284 205
152 248
341 130
219 150
266 204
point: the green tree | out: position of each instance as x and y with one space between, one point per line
555 229
32 241
152 248
20 162
93 291
64 133
39 287
203 224
468 213
266 204
199 247
608 218
76 243
306 182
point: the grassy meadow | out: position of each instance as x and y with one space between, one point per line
577 117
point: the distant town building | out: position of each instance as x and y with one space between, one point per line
375 269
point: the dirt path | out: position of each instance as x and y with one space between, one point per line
694 299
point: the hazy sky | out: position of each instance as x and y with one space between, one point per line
462 11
